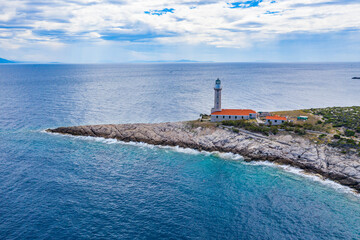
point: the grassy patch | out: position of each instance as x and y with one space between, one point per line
197 123
347 117
251 126
293 115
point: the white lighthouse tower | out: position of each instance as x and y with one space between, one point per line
217 96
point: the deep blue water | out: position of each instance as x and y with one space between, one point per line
57 187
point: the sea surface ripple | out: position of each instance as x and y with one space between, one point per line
57 187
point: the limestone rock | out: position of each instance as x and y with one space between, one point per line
283 148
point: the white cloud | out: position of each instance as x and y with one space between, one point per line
213 23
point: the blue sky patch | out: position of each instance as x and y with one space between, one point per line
160 12
272 12
245 4
140 37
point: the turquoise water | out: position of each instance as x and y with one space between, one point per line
57 187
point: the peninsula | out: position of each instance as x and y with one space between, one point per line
282 148
324 141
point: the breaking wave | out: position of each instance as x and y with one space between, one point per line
311 176
227 156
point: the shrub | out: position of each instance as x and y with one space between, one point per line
288 129
337 136
288 124
274 130
349 133
247 126
235 130
308 126
322 136
300 131
319 122
350 141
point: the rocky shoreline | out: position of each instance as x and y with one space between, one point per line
282 148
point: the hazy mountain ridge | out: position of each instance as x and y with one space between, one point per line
3 60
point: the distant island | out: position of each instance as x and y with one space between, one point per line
3 60
356 78
168 61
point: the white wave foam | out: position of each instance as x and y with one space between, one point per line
227 156
314 177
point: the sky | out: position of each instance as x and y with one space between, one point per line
114 31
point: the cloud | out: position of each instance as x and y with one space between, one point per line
229 24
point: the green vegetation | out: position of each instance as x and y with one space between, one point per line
321 136
199 123
345 121
290 126
251 126
299 131
347 117
349 133
336 136
274 130
345 143
204 117
235 130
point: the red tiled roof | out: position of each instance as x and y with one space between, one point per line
276 117
234 112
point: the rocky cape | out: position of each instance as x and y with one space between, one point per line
282 148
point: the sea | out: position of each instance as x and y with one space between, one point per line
63 187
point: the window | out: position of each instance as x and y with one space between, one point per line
223 116
229 117
282 120
275 120
235 117
242 117
217 116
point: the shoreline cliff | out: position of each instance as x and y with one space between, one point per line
285 149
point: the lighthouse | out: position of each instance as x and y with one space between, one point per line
217 96
218 114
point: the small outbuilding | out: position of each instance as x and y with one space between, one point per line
264 114
275 120
304 118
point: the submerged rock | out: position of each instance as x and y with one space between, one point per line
284 148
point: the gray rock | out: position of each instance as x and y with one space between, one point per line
283 148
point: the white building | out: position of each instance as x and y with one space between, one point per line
275 120
218 114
